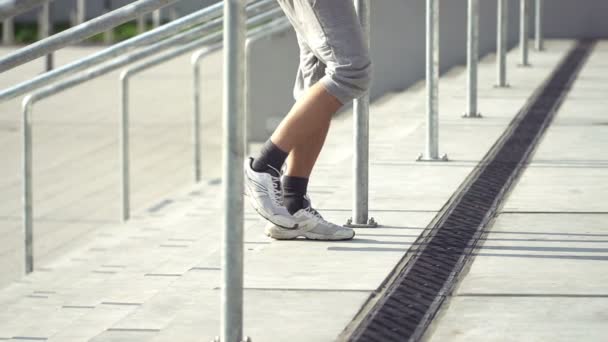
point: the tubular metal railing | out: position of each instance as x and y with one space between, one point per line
432 84
45 31
80 32
165 57
233 154
502 37
472 58
524 34
11 9
150 37
30 100
79 14
360 215
538 25
234 101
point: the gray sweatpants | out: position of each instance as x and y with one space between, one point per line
332 50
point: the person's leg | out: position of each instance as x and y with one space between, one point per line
334 69
331 33
282 142
302 132
331 30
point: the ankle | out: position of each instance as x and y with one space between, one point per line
293 203
271 156
294 192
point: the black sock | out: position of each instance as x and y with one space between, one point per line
294 189
270 155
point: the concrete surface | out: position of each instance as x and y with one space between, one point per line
156 278
76 152
542 270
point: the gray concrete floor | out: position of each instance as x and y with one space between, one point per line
156 277
76 152
542 270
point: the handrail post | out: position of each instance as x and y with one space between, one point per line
81 12
472 58
523 33
197 117
8 31
502 38
361 139
141 23
232 182
538 23
156 18
108 36
432 83
45 30
125 146
28 208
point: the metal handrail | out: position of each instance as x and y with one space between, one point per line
119 49
360 214
502 37
132 71
73 81
538 26
524 34
80 32
233 114
9 11
432 84
233 154
17 7
114 51
472 58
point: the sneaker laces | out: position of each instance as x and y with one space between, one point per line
276 192
315 213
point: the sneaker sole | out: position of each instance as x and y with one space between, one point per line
292 234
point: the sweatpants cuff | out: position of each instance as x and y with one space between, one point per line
343 95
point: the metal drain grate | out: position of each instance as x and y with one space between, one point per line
427 273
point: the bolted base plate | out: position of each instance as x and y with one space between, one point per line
217 339
371 223
421 158
502 86
472 115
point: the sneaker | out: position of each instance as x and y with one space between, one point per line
312 226
266 196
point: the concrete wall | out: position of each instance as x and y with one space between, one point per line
270 82
564 18
397 50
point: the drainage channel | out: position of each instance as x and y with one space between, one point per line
415 290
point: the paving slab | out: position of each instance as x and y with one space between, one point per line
156 277
541 271
76 169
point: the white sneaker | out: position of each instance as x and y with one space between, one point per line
266 196
311 225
